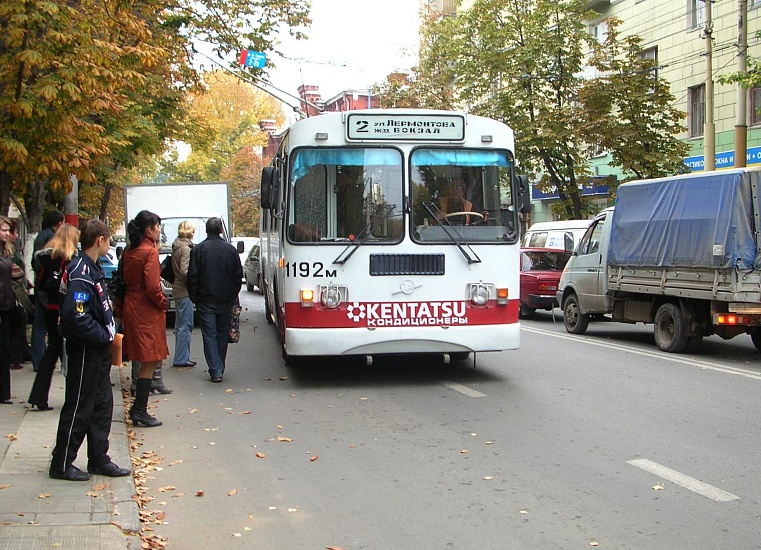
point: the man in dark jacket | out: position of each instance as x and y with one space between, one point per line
87 323
214 279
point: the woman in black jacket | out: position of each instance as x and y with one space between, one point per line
50 263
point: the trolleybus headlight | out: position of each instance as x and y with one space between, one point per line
479 294
330 297
502 296
307 297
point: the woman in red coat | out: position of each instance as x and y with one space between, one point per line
144 309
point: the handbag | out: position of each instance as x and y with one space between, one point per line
235 324
167 269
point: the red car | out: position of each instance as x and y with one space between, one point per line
540 273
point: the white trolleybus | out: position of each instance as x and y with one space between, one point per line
392 232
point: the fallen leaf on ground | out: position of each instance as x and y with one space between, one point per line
312 459
260 455
658 487
199 493
245 412
285 439
464 452
167 488
12 437
44 495
176 462
283 378
232 493
20 514
101 487
229 390
4 487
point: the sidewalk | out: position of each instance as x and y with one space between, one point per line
37 512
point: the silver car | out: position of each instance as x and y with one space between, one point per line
252 270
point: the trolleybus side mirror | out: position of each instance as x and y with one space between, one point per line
524 194
269 180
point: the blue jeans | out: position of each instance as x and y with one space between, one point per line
38 329
215 322
183 326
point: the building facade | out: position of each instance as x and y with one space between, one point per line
673 34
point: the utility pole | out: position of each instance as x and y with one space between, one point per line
709 128
741 127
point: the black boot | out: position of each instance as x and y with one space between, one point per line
139 411
157 384
135 375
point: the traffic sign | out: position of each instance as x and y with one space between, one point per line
253 59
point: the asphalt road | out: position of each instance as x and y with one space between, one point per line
569 442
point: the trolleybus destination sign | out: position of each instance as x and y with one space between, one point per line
403 127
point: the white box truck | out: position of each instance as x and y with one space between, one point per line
176 202
682 253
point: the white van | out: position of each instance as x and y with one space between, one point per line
562 235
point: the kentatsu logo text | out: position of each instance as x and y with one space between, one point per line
409 313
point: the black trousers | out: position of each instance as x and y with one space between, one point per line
41 387
88 407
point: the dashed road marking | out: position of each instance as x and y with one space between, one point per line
465 390
689 483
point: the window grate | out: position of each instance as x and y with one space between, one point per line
406 264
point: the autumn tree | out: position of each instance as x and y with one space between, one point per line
225 115
628 110
88 87
244 174
520 61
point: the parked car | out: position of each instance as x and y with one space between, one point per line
540 273
109 263
560 235
248 244
252 270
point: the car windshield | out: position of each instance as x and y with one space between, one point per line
544 261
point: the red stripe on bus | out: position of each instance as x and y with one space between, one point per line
375 315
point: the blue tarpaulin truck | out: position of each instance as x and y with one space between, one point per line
682 253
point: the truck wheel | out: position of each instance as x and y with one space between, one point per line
756 339
669 329
575 322
249 286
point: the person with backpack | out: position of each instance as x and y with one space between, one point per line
183 317
50 263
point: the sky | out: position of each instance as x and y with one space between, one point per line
352 44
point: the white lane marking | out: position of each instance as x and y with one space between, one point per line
463 389
690 483
655 354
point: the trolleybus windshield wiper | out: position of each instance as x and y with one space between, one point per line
354 243
456 238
